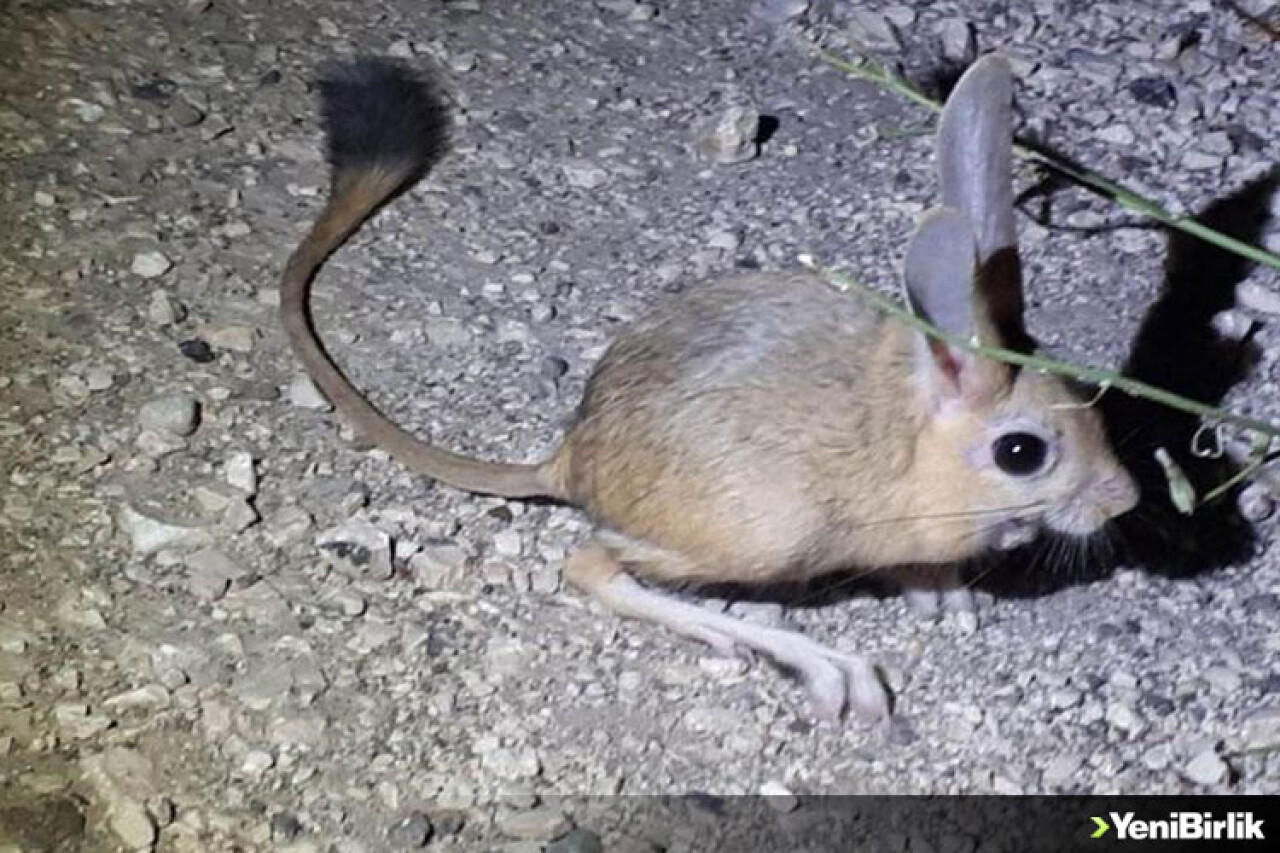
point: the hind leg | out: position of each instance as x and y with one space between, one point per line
835 680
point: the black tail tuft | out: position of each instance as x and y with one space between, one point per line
379 112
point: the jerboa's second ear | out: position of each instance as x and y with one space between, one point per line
939 274
975 173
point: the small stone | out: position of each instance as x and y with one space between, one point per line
132 825
197 350
77 723
1222 679
99 379
88 113
958 42
1061 769
410 833
1201 160
44 199
175 414
149 697
779 797
289 524
1256 297
371 636
73 388
1116 134
445 332
873 30
285 827
1153 92
185 114
150 264
730 138
357 549
584 175
537 824
512 764
240 474
507 543
723 668
304 394
1262 730
149 534
438 566
1123 717
235 338
577 841
1207 768
778 12
256 762
163 310
725 241
211 574
156 445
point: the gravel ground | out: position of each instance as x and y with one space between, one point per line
224 625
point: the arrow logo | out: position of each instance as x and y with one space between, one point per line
1103 826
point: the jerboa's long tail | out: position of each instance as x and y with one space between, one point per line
384 127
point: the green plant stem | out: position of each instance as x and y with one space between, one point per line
1092 375
885 78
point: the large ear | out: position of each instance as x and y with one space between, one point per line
975 172
939 274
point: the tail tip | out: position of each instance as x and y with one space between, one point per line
378 111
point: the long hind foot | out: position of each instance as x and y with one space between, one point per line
835 680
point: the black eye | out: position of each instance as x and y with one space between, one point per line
1020 454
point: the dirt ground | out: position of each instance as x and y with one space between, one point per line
228 624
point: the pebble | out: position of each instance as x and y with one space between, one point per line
438 566
99 379
211 573
1201 161
584 175
779 797
239 472
234 338
512 764
508 543
577 841
1262 729
959 45
1207 768
537 824
149 697
164 310
445 332
175 414
150 535
132 825
150 264
357 549
304 394
256 762
197 349
1116 134
289 524
73 387
874 30
410 833
730 137
1061 769
76 722
1257 297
